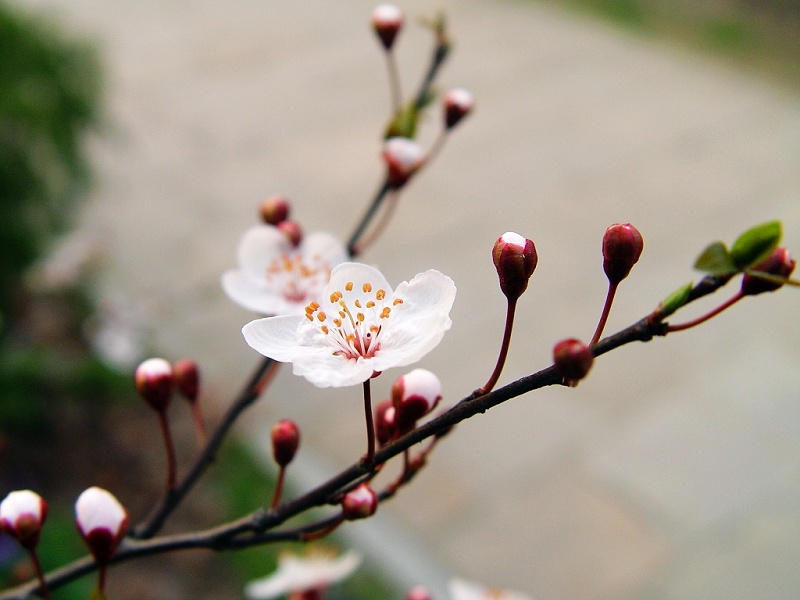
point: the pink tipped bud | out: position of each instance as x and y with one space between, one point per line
387 20
274 210
573 359
414 395
385 422
285 440
102 521
292 231
403 157
780 263
359 503
155 382
187 377
515 259
419 592
622 247
458 103
22 514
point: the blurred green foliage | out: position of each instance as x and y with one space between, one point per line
50 92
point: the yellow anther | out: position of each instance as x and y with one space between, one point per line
321 316
367 287
337 322
357 303
380 294
349 286
397 301
370 304
309 317
324 329
374 328
385 312
360 317
335 296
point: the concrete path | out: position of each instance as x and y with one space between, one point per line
673 472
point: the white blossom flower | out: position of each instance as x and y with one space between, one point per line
276 278
359 326
467 590
297 574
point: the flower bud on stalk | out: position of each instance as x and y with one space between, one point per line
187 378
155 382
573 359
293 232
102 522
414 395
780 263
359 503
458 103
385 422
274 210
622 247
515 259
403 157
285 441
387 20
22 514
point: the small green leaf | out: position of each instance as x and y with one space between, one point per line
755 244
675 300
404 123
716 260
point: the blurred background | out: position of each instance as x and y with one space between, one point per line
672 472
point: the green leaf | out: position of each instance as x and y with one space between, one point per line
404 123
755 244
675 300
716 260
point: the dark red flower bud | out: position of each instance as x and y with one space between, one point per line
385 425
359 503
414 395
292 230
622 247
387 20
285 440
187 377
403 157
780 263
274 210
515 259
573 359
155 382
458 103
102 521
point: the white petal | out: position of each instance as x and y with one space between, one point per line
98 509
358 273
296 574
323 369
328 247
19 503
259 247
460 589
274 337
256 296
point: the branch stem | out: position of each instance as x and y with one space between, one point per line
501 358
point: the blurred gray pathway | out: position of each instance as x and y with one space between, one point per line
673 472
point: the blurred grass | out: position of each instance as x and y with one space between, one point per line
761 36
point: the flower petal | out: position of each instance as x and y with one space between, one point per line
259 247
274 337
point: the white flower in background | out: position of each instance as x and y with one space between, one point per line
358 326
296 574
466 590
277 278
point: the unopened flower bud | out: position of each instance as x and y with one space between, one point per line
359 503
780 263
385 422
22 514
292 231
458 103
515 259
187 378
419 592
622 247
403 157
102 521
155 382
274 210
414 395
387 20
285 440
573 359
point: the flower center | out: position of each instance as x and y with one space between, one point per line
357 318
296 276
